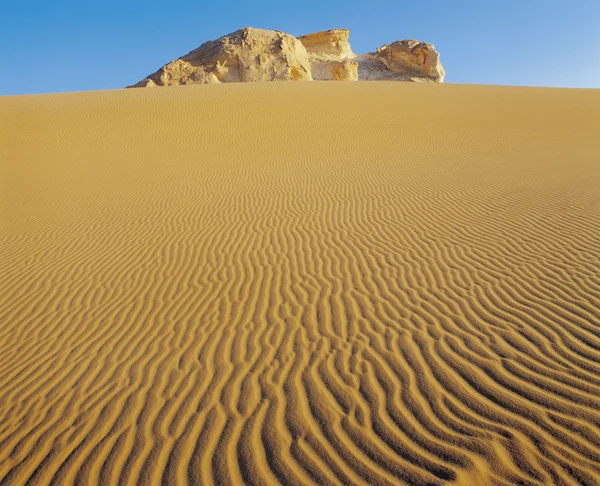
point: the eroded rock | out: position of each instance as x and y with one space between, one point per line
251 55
330 45
329 53
412 56
247 55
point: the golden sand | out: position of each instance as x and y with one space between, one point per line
301 283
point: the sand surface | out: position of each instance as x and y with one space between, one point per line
301 283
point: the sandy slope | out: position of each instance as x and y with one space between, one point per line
303 283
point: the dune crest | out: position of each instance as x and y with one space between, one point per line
342 284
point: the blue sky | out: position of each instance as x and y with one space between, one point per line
66 45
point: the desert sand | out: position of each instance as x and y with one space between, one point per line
301 283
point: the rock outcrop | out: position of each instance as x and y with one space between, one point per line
269 55
330 45
245 55
406 60
330 55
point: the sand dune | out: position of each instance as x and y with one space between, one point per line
301 283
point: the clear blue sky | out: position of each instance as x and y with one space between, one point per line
76 45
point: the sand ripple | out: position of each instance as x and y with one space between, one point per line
320 283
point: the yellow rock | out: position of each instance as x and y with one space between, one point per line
328 45
245 55
251 55
345 70
412 55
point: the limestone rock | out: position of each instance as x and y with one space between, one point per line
334 70
245 55
175 73
329 53
344 70
406 60
329 45
269 55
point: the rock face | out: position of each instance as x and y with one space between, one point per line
247 54
269 55
406 60
330 45
329 53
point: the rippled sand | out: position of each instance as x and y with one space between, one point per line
301 283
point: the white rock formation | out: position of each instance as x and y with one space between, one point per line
330 55
245 55
269 55
406 60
